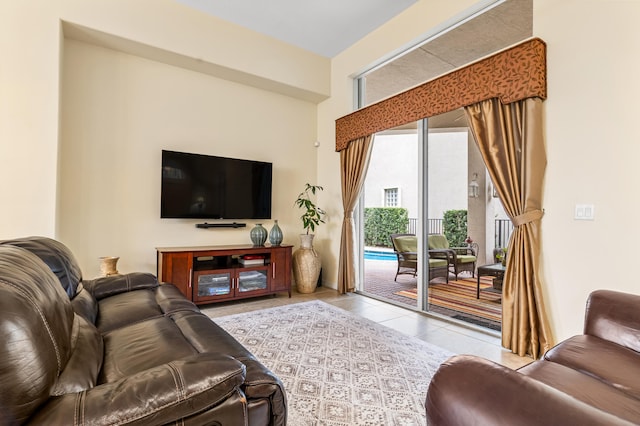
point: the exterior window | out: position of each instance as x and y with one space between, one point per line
391 197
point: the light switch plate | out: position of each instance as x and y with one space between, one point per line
584 212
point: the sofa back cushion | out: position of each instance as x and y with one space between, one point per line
613 316
57 257
437 242
85 361
85 305
408 246
36 322
407 243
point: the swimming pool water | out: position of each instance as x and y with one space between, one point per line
379 255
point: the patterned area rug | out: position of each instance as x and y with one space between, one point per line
339 368
460 295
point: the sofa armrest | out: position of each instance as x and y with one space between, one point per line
161 395
407 256
114 284
614 316
442 254
467 390
471 249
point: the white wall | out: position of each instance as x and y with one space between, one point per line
447 168
393 164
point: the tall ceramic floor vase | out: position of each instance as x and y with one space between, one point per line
306 265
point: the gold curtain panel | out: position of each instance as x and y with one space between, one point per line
516 73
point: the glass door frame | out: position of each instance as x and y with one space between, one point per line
423 203
423 213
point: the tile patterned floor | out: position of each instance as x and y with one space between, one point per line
452 336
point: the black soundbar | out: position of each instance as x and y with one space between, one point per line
221 225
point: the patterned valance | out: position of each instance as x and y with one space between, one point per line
513 74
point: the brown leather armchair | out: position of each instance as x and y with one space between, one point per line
589 379
117 350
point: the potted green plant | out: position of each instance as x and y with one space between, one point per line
306 261
501 255
313 215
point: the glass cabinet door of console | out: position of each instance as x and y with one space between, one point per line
214 284
252 280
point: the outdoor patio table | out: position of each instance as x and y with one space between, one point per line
494 270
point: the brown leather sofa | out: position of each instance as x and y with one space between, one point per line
590 379
117 350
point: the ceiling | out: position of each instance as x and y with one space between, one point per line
494 30
499 27
328 27
325 27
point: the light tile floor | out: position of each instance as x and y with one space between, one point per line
457 338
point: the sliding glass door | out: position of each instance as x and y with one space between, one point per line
390 212
427 188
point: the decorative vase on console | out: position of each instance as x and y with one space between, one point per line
258 235
108 265
275 235
306 261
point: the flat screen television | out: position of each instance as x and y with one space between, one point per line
196 186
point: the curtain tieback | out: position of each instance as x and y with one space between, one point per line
527 217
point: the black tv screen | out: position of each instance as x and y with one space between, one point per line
196 186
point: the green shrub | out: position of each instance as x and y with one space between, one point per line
455 227
380 222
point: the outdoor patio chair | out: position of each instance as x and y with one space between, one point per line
405 247
460 258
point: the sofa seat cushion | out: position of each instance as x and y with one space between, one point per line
585 388
125 309
141 346
437 263
139 305
465 258
207 336
609 362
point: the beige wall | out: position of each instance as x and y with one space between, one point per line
81 162
591 137
119 111
590 125
593 151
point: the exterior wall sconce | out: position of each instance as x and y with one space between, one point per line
474 187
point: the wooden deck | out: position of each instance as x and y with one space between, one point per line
379 281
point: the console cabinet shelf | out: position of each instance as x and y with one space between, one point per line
215 273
